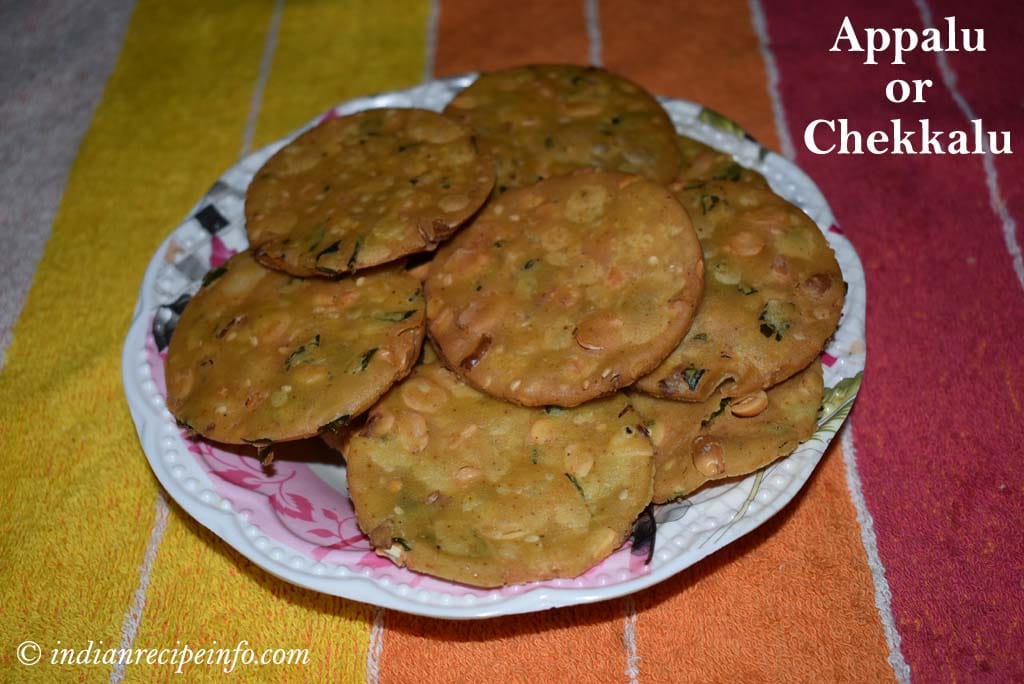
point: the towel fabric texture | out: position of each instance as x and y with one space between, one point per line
90 549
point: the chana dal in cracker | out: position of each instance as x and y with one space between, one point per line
598 251
723 437
454 483
773 294
363 190
566 290
541 121
261 357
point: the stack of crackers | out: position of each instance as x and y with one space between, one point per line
616 314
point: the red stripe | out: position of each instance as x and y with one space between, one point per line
939 424
994 91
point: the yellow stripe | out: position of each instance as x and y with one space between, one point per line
332 52
204 593
201 590
76 494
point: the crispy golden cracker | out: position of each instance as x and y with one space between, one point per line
547 120
453 483
261 357
566 290
363 190
699 442
702 162
772 298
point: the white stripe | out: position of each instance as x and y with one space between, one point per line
781 126
133 618
375 647
591 11
998 204
629 639
995 196
269 47
593 17
433 19
883 596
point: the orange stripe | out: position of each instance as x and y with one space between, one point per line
707 52
581 644
791 601
571 645
482 36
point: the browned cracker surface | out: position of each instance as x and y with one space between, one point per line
260 357
451 482
698 442
566 290
772 298
545 120
702 162
363 190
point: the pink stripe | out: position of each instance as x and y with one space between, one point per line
939 422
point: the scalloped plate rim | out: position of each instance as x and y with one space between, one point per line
227 524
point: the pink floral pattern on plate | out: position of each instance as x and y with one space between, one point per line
296 507
295 519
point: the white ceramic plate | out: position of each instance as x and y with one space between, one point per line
296 520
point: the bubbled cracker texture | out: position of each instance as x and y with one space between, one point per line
773 294
566 290
451 482
541 121
261 357
696 443
363 190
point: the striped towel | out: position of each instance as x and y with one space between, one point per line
902 554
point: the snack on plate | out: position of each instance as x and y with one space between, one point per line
510 455
695 443
701 162
773 294
260 357
547 120
453 483
363 190
566 290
